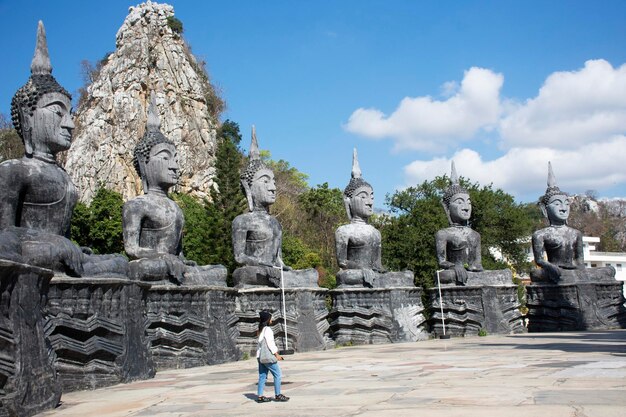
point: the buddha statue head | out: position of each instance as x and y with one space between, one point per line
456 201
41 109
554 204
358 196
257 180
155 156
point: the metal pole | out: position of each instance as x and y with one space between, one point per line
282 291
443 321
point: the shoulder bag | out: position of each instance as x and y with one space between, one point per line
265 355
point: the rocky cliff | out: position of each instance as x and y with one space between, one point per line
150 56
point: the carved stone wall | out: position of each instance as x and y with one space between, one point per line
368 315
191 326
469 309
149 56
97 331
28 383
576 306
307 327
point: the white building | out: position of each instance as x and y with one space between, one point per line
597 259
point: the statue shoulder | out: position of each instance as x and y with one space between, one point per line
15 172
138 204
241 220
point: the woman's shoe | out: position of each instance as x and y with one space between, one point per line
281 398
262 399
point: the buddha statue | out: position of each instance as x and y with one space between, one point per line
257 236
39 196
458 246
563 245
358 244
153 223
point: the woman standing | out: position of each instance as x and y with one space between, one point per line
267 335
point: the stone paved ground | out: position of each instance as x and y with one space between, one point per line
553 374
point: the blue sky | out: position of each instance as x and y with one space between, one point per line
501 87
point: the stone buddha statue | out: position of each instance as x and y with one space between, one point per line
358 244
153 223
39 196
458 246
563 245
257 236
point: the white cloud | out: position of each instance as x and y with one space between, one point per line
523 171
422 123
572 109
577 120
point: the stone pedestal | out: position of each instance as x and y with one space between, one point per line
377 315
576 306
306 311
192 325
28 383
97 330
470 309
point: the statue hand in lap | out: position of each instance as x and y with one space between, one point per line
54 251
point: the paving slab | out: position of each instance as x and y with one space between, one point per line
574 374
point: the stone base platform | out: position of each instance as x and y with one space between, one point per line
28 383
469 309
191 326
97 330
576 306
377 315
307 327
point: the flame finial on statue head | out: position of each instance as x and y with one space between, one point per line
254 146
154 121
454 187
356 179
41 60
552 189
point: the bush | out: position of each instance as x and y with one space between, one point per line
175 24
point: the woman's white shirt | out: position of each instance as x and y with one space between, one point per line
268 334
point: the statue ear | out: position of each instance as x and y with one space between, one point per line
143 175
27 130
248 192
543 209
346 203
447 210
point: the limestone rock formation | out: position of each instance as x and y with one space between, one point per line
149 57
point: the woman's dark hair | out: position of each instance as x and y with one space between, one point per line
264 319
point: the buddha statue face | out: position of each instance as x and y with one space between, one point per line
557 209
161 169
362 202
263 188
460 208
48 130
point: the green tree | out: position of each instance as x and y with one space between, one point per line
197 243
11 146
99 225
228 200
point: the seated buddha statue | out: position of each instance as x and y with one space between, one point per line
562 245
153 223
458 246
257 235
39 196
358 244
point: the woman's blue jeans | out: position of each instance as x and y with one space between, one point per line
264 368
